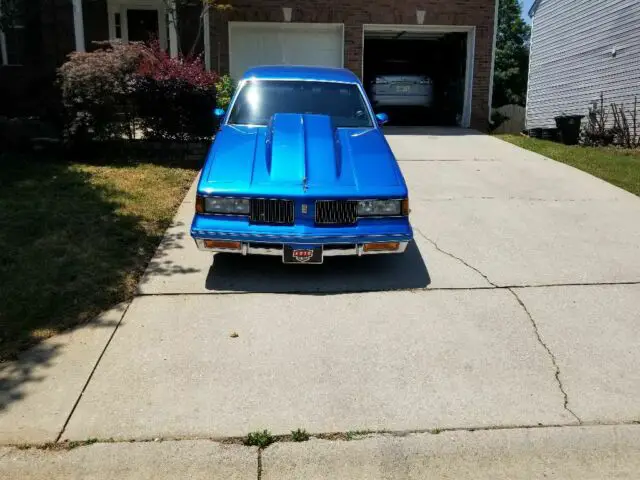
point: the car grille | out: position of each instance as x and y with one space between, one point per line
336 212
274 211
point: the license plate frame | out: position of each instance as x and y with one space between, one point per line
302 254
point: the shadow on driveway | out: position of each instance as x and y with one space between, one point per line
162 264
33 366
14 375
263 274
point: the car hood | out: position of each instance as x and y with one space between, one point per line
301 155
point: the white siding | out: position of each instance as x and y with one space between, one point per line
572 61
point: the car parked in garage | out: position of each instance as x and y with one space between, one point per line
300 169
402 91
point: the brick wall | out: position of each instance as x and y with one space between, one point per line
354 13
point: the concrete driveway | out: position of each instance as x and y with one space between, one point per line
518 306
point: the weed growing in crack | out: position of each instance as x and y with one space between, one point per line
69 445
354 434
259 439
299 435
81 443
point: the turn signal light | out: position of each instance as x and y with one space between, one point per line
225 244
381 247
200 204
405 207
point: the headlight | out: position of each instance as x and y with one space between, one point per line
368 208
230 206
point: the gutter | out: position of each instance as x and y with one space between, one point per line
534 7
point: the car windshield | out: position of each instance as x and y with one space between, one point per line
258 101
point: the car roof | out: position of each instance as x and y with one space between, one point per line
296 72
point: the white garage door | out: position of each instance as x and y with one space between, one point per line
252 44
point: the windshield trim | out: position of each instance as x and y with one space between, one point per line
241 85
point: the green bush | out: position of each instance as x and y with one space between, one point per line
225 88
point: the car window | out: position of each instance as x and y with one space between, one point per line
258 101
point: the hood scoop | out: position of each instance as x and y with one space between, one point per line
302 148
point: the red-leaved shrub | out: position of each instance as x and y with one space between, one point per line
175 97
158 65
123 88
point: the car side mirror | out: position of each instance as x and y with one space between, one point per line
218 112
382 118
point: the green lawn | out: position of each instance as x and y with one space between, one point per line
75 238
615 165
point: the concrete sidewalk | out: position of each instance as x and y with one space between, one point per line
515 308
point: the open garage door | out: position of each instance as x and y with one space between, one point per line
270 43
420 75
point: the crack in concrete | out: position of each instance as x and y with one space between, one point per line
93 370
526 310
577 284
550 353
410 289
331 436
259 463
437 247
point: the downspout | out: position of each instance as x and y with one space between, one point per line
526 107
493 57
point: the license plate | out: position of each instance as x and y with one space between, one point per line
302 254
403 89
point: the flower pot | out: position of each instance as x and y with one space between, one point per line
569 126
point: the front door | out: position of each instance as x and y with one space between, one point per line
142 25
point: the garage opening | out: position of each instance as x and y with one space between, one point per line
419 75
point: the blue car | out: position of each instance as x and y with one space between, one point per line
300 169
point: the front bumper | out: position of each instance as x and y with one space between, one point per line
276 249
270 239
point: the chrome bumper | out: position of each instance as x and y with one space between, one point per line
328 251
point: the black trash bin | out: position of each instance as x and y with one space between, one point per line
569 126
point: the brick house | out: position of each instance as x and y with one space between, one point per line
430 35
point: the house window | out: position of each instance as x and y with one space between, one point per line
118 25
13 36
